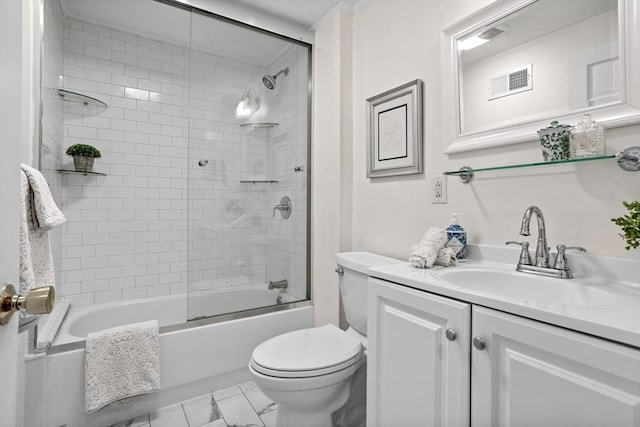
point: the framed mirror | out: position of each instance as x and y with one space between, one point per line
514 66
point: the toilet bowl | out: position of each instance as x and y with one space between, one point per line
308 373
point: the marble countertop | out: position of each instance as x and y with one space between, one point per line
609 307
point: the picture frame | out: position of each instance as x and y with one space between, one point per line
394 131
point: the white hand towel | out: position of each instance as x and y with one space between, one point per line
36 260
121 362
425 254
45 213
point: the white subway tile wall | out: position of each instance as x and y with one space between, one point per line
159 223
51 124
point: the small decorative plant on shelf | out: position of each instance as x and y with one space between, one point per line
83 156
630 225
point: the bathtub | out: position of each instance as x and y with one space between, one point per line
168 310
196 357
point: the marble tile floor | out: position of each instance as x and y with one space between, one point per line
242 405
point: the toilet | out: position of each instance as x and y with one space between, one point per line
309 373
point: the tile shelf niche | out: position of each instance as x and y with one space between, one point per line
71 96
628 160
73 171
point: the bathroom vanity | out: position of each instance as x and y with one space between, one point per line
483 345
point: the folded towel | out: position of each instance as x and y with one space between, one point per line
425 254
121 362
38 213
46 214
446 257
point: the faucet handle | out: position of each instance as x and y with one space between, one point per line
525 257
561 259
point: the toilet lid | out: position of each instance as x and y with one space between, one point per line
307 352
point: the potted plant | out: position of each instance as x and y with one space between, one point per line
630 225
83 156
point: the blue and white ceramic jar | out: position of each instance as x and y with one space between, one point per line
555 141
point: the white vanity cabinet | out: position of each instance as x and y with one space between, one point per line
418 358
534 374
501 369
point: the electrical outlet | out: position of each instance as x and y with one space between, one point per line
438 189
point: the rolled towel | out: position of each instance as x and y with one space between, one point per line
446 257
425 254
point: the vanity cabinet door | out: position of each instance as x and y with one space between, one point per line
533 374
417 373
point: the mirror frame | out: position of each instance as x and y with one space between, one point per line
622 113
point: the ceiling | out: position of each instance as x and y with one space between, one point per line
159 21
306 13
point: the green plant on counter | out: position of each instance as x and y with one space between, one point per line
630 225
83 150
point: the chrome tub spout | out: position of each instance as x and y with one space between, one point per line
280 284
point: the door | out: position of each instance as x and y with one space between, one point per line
417 372
10 141
533 374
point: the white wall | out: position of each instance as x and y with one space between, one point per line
331 160
398 41
52 123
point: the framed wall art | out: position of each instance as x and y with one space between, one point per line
394 131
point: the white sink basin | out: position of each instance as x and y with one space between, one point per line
524 287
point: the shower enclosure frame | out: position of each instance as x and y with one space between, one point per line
308 299
212 319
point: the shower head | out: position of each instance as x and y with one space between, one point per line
270 81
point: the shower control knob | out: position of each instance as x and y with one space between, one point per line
479 343
450 334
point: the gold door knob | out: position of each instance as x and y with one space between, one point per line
37 301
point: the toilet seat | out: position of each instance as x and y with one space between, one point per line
307 353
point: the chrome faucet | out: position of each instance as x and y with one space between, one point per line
543 261
542 250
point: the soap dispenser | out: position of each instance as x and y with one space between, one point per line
457 238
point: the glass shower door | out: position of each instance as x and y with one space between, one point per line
248 176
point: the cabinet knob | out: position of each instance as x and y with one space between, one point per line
450 334
479 343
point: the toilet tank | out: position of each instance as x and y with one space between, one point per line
353 284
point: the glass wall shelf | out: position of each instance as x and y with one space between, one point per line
258 181
628 159
70 96
259 125
73 171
